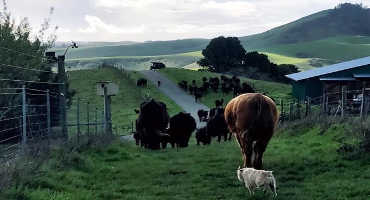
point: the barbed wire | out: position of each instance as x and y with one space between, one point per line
5 140
8 119
24 68
26 54
10 93
10 129
24 81
7 107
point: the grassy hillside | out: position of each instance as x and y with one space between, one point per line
305 162
140 49
272 89
335 49
135 62
123 105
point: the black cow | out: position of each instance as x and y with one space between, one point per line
202 136
217 126
152 122
246 88
198 93
202 114
219 103
182 126
142 82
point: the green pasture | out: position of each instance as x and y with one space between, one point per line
123 104
305 162
272 89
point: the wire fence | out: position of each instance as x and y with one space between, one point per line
347 103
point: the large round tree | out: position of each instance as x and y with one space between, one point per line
222 54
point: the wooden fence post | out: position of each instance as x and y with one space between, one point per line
290 111
48 113
298 109
342 104
102 120
78 120
282 110
96 121
88 118
24 117
107 112
362 102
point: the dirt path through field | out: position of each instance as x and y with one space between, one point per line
181 98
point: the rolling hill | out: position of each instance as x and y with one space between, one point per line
326 37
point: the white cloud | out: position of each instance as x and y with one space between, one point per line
95 25
140 20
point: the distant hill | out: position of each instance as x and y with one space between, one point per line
344 20
139 49
92 44
326 37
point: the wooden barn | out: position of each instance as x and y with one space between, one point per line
348 76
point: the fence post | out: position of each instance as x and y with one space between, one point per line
309 105
48 112
281 110
102 120
62 96
290 111
323 102
88 118
326 103
24 116
78 120
362 102
298 109
107 112
342 104
96 121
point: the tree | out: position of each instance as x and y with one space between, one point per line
22 58
222 54
259 61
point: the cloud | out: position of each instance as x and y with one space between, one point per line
140 20
95 25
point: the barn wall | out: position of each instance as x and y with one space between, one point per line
314 88
307 88
299 89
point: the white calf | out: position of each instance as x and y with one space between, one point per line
253 179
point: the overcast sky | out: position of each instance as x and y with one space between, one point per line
142 20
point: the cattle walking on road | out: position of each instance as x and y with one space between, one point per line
151 124
182 126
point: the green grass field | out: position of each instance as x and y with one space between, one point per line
123 105
305 164
272 89
334 49
135 62
304 158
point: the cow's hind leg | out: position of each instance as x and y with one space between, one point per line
248 151
258 150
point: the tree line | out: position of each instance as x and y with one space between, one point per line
226 54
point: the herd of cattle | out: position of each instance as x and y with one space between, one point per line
155 128
226 85
251 117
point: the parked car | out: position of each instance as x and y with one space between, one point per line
157 65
